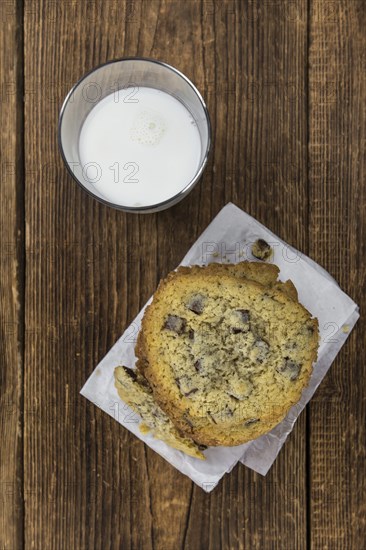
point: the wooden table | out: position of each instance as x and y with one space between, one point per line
286 90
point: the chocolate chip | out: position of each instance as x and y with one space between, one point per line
175 323
191 334
235 330
196 304
251 421
187 394
143 382
261 249
244 315
202 447
130 372
198 365
290 369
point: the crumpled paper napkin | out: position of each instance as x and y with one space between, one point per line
228 238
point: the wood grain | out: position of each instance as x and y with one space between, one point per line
285 86
337 122
11 278
92 483
258 104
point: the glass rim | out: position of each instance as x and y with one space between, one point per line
151 207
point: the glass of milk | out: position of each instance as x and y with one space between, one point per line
135 133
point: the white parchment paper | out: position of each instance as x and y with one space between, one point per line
228 239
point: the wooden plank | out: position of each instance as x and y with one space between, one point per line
11 277
90 484
337 240
258 102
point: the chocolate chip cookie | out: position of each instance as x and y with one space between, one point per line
226 350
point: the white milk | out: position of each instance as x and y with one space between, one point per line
139 147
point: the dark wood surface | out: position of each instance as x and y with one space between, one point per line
285 86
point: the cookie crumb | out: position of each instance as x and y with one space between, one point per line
144 429
261 250
345 329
